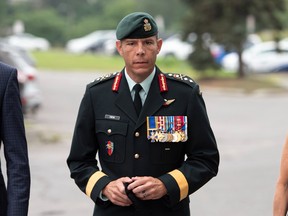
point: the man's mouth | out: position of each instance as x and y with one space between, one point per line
140 62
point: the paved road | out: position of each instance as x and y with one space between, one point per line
250 130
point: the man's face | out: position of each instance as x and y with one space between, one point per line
139 56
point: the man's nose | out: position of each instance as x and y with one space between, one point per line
140 49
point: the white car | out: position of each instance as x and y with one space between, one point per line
174 46
262 57
28 41
92 42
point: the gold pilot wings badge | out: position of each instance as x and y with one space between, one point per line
168 102
167 128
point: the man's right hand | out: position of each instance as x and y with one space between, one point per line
115 192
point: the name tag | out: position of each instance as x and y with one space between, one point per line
167 128
112 117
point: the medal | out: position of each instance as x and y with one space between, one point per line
167 128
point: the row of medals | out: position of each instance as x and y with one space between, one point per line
175 136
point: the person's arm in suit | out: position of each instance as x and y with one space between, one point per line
15 149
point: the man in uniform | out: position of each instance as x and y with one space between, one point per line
154 140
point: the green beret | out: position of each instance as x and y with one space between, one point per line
136 25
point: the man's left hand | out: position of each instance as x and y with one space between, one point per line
147 188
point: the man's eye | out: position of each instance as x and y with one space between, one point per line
149 42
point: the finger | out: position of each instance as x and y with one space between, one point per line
140 189
122 203
126 180
141 185
138 182
141 195
140 178
120 199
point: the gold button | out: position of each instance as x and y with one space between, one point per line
136 156
137 134
109 131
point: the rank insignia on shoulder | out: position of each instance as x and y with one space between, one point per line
167 128
105 77
181 77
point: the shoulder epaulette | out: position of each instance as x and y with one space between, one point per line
181 78
103 78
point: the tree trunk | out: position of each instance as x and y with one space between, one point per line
241 72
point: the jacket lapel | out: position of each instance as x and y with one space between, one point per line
154 101
124 100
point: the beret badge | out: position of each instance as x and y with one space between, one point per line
147 25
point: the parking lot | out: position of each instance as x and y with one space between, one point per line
250 130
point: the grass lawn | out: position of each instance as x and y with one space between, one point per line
59 60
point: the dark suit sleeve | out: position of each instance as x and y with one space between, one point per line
201 151
15 150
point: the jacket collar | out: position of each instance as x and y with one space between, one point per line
153 102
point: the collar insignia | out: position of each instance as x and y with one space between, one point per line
162 83
116 82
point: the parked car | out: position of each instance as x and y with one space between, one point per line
175 47
28 41
93 42
27 76
260 58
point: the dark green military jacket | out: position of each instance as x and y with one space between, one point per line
107 124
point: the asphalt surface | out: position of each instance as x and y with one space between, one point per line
250 131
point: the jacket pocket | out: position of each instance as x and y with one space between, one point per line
166 153
111 136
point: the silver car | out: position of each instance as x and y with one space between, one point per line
27 76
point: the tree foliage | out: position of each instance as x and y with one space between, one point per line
59 21
226 21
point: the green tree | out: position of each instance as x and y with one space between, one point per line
226 20
107 13
45 23
74 18
4 17
172 12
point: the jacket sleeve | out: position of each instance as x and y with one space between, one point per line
15 149
202 156
82 158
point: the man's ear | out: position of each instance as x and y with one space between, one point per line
159 44
119 47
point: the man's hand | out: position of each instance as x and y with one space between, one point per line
147 188
115 192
